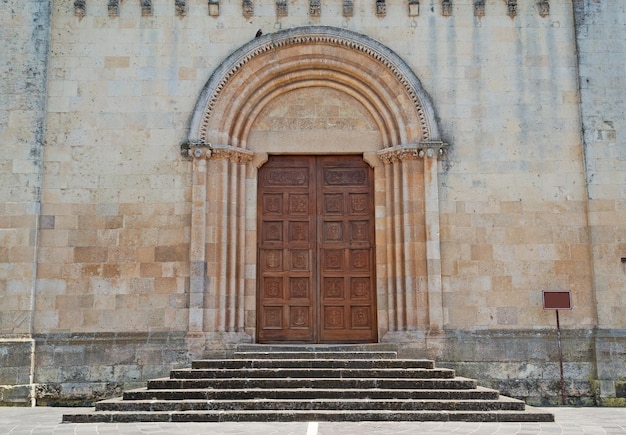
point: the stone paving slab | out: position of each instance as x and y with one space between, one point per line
569 421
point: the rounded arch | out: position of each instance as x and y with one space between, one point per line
265 67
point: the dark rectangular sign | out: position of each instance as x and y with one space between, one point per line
557 300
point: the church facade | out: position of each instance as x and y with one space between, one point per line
180 177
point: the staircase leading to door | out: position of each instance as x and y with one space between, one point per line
312 383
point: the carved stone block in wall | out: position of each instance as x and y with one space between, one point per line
512 8
79 8
446 8
181 8
544 8
214 8
348 8
146 8
479 8
381 8
315 8
414 8
247 8
281 8
114 8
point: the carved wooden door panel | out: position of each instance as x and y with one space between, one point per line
316 250
345 237
286 234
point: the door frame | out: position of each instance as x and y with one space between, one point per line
222 247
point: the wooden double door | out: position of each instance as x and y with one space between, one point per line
316 280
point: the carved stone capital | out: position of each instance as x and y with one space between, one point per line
412 151
234 154
431 149
196 150
398 153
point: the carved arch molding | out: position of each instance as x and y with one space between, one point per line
225 159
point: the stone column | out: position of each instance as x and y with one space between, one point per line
216 311
413 256
197 257
430 153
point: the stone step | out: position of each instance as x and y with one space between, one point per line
304 415
314 363
478 393
311 383
347 355
312 348
326 373
338 383
503 403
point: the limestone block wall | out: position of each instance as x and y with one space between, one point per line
24 32
600 25
113 242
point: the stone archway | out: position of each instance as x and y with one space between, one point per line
232 133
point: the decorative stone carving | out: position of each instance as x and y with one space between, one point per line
281 8
233 154
348 8
315 8
114 8
317 35
512 8
195 150
181 8
201 150
544 8
214 8
146 8
381 8
80 9
247 8
414 8
479 8
446 8
413 151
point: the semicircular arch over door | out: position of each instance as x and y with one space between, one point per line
314 91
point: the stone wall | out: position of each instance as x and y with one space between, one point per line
83 368
520 210
24 33
600 35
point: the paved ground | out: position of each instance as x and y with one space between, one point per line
569 421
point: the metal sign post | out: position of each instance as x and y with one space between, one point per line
556 300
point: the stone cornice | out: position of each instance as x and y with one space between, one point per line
413 151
